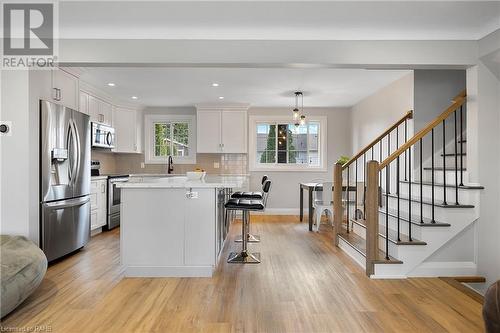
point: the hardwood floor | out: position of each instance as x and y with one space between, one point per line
304 284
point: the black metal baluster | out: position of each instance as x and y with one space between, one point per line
432 177
364 186
372 151
406 139
456 159
348 199
421 186
398 192
461 149
388 184
409 194
356 190
388 174
444 163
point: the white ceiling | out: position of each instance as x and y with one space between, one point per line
296 20
272 87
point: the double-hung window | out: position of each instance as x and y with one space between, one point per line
277 144
170 135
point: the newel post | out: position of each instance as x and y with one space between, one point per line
338 212
371 212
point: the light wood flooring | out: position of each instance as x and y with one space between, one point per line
304 284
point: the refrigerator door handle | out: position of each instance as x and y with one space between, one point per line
67 203
77 146
73 148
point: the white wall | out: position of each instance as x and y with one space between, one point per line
374 114
284 196
484 135
15 154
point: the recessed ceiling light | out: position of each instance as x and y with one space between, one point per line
215 84
111 84
135 97
221 97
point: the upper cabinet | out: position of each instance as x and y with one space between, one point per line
98 110
127 130
65 88
222 130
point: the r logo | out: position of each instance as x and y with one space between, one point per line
28 29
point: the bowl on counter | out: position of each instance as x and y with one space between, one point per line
195 175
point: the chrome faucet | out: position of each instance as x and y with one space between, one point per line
170 164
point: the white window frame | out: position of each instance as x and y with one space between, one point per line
252 154
150 120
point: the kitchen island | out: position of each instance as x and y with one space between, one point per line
172 226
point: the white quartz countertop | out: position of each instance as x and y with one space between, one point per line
183 182
98 177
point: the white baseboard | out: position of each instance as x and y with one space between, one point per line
168 271
452 268
282 211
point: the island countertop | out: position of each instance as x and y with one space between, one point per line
183 182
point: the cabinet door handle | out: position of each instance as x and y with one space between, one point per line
60 94
55 94
103 188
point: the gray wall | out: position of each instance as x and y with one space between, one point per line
433 92
284 197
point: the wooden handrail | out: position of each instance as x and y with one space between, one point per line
408 115
458 101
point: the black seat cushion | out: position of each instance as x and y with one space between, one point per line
245 204
247 195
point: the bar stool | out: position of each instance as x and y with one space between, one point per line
246 206
250 195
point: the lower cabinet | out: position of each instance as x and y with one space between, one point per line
98 195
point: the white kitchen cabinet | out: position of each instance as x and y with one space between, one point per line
208 134
127 130
234 131
98 196
98 110
65 88
84 103
221 130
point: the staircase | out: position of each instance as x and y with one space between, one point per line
402 199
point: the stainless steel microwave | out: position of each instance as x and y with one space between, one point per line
103 136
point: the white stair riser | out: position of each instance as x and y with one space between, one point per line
358 257
393 248
416 230
450 176
441 214
465 196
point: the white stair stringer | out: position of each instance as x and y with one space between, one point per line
414 255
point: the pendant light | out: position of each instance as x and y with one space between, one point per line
298 115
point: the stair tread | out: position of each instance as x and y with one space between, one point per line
414 219
425 201
464 187
453 154
404 239
440 168
359 244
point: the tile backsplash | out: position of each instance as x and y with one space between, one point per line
235 164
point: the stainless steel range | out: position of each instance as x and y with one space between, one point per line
114 200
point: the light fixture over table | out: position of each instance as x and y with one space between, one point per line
298 115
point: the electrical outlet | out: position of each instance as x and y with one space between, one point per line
142 165
216 165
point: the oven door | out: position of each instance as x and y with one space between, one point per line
114 195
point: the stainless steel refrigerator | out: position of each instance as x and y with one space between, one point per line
64 179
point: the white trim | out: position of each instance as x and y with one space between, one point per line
323 145
149 119
168 271
447 268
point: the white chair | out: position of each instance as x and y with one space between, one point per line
323 202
